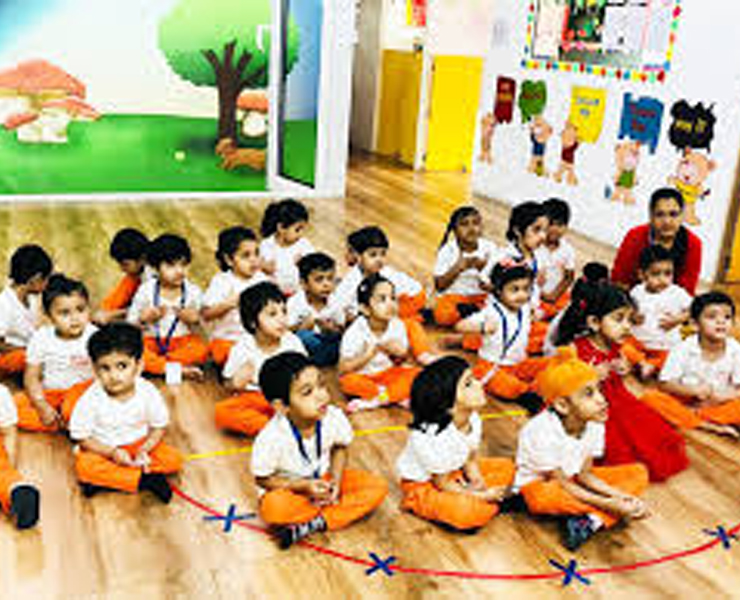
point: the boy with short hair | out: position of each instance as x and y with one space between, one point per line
120 422
299 458
557 259
319 330
30 267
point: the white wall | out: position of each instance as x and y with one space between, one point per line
704 70
460 27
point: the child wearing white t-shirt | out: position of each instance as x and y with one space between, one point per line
442 477
120 421
299 459
18 499
239 260
557 260
263 315
59 368
283 243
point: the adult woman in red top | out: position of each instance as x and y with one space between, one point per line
665 229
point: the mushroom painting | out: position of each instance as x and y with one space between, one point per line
38 101
252 108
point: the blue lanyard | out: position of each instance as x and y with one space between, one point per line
164 346
508 342
302 449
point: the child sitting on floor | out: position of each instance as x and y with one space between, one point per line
299 459
30 267
59 368
120 421
375 347
555 455
263 314
168 308
442 477
128 248
558 259
239 260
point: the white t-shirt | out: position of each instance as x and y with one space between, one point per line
544 447
467 283
359 334
670 302
285 258
18 321
145 298
554 263
344 298
430 452
64 363
276 451
115 423
247 351
507 346
686 365
299 309
8 410
223 286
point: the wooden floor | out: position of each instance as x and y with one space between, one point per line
119 547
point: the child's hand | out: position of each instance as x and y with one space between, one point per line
638 319
319 491
232 301
49 416
621 366
122 457
189 316
633 507
328 326
668 322
489 327
704 393
495 494
647 370
152 314
393 348
268 266
307 322
370 350
143 460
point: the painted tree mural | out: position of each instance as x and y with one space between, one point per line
223 44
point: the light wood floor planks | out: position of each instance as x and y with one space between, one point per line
120 547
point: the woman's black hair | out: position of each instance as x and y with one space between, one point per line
253 301
285 213
589 299
702 301
60 285
458 215
434 392
229 241
522 216
681 242
503 273
367 287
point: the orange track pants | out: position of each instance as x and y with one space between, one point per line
62 400
219 351
121 295
396 380
9 477
409 306
636 352
246 413
13 362
676 412
445 311
186 350
512 381
551 309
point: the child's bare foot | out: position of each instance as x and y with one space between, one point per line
426 358
358 404
450 341
725 430
192 372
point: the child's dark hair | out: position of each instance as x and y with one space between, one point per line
458 215
654 254
60 285
229 241
284 213
128 244
434 392
503 272
279 372
593 272
367 237
316 261
28 262
702 301
589 299
681 242
366 289
116 337
254 299
557 211
168 248
522 216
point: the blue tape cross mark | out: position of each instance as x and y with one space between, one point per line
723 536
380 564
230 518
570 572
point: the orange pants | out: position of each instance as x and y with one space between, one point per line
549 497
409 306
550 310
512 381
537 334
246 413
396 380
186 350
13 362
120 296
219 351
636 352
361 493
418 339
61 400
676 412
461 511
445 311
101 471
9 478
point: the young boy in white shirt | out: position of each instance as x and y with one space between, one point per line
299 459
557 260
30 267
120 421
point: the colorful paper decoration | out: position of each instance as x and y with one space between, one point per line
587 109
505 94
532 99
641 121
416 13
693 126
